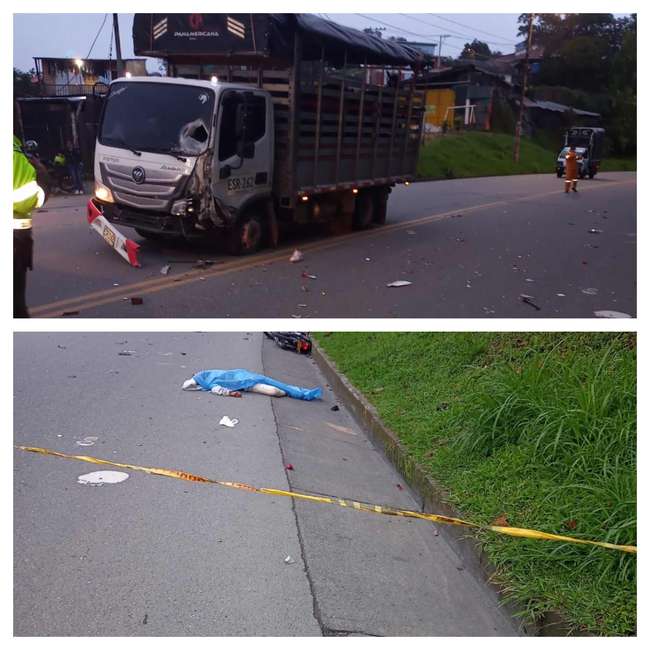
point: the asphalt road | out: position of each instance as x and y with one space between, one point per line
470 248
153 556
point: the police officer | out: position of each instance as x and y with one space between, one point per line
27 195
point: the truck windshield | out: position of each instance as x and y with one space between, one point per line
157 117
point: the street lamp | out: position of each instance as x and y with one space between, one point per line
79 63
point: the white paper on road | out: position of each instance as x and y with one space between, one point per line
100 478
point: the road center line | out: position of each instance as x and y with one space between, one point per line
147 287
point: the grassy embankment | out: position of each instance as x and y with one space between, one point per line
466 155
536 429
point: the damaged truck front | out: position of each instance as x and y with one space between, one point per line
275 119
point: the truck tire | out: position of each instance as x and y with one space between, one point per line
247 235
364 210
381 205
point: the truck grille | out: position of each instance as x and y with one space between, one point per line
156 193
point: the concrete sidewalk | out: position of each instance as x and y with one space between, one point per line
369 574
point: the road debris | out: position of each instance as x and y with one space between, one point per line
136 300
595 231
335 408
289 560
228 422
299 342
88 441
289 467
165 269
608 313
126 353
296 256
342 429
70 313
529 301
125 247
561 295
590 291
309 275
399 283
101 478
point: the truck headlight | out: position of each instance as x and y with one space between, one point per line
103 193
179 208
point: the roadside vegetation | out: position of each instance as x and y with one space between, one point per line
469 154
534 430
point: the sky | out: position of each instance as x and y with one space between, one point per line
71 35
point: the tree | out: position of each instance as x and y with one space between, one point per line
23 84
374 31
476 50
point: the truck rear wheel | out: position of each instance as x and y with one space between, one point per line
364 210
247 235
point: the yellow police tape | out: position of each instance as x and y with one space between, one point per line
366 507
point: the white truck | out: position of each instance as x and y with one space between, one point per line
255 140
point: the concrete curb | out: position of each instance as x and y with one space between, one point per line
433 497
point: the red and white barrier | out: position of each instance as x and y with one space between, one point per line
127 248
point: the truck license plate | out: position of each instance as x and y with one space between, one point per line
109 236
240 183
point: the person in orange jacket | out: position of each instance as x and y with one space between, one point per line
571 170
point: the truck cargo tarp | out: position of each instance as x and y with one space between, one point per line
264 35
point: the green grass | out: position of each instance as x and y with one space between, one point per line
465 155
539 428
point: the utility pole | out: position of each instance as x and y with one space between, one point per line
118 47
440 49
520 120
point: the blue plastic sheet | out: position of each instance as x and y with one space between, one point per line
240 379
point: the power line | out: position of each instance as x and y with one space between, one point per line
449 20
394 27
456 34
97 36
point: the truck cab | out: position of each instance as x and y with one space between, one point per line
588 142
184 157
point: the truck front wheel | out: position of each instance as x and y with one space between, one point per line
247 235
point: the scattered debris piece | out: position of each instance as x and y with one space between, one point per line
367 259
101 478
590 291
530 280
62 347
116 284
561 295
289 560
289 467
136 300
309 275
608 313
595 231
59 435
399 283
399 487
70 313
296 256
342 429
228 422
335 408
302 305
289 426
529 301
165 269
126 353
126 248
299 342
88 441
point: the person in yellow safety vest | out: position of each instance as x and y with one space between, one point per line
27 196
571 170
